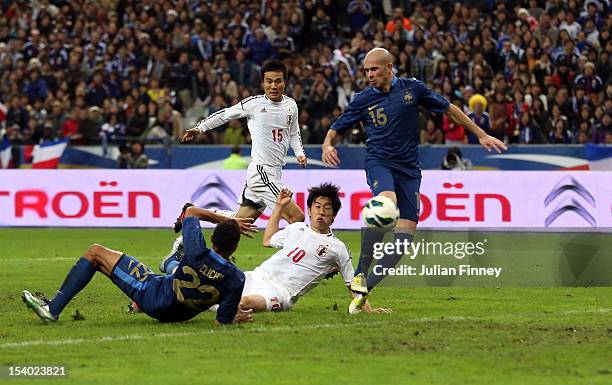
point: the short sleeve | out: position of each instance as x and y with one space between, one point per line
349 117
430 99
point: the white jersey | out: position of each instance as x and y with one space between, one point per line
305 258
273 127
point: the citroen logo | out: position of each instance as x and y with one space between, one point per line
214 193
569 183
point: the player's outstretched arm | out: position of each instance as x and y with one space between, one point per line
247 228
487 141
330 154
282 201
215 120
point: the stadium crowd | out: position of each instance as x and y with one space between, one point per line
103 71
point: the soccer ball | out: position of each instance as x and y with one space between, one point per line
380 211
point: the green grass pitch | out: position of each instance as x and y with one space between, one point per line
435 335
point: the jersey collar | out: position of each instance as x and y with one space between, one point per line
393 81
323 235
272 101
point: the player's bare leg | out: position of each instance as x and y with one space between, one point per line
293 213
102 258
253 302
246 211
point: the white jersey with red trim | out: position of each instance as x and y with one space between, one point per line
305 258
273 127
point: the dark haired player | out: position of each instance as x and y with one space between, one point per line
272 119
204 277
389 111
307 255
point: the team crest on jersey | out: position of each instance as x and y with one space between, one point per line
408 97
322 250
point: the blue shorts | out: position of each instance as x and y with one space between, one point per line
150 291
383 178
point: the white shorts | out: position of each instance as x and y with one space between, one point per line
263 184
276 296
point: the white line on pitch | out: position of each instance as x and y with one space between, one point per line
78 341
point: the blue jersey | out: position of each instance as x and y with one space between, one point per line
202 279
391 121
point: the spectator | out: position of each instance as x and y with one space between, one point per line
545 53
260 48
560 133
431 134
71 126
528 131
454 133
137 157
602 129
321 27
17 114
454 160
38 112
242 71
235 160
112 128
90 127
234 135
181 76
498 112
125 156
36 88
138 122
481 118
283 44
321 103
591 83
360 11
97 91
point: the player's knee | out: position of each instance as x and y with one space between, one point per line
295 216
93 253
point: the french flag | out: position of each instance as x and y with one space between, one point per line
3 110
599 156
5 152
48 154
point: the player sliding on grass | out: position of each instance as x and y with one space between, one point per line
389 111
204 277
307 255
272 120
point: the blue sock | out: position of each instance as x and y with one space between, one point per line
78 277
369 237
389 260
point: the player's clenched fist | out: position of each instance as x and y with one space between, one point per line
284 197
